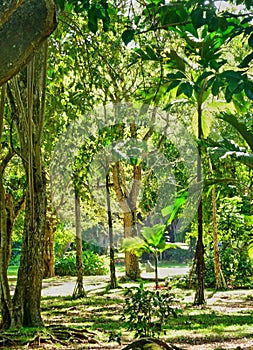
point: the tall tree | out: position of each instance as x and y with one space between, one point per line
26 95
24 27
79 289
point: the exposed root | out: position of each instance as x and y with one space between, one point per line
53 334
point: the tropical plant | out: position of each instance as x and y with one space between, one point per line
146 311
153 242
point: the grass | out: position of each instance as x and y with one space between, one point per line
229 318
12 271
102 314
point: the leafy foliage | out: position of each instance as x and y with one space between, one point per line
146 311
236 266
93 264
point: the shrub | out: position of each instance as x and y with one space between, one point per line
235 264
93 264
66 265
146 311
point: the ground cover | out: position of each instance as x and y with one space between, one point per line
94 322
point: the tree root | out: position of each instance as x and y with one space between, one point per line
53 334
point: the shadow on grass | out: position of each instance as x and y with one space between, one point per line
211 320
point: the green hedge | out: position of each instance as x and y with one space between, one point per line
93 264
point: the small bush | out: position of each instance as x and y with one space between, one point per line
235 264
178 255
146 311
93 264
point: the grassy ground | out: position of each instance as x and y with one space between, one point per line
94 322
12 271
89 323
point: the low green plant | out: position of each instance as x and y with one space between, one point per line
236 265
146 311
93 264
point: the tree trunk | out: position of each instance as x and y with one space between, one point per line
219 278
6 308
27 104
5 239
79 289
24 26
199 255
156 270
127 202
49 240
131 261
49 250
113 280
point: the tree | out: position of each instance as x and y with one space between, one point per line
202 32
26 95
79 290
153 242
24 27
113 279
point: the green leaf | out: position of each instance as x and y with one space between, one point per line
134 244
153 235
172 210
178 61
167 15
151 53
141 53
216 86
245 62
174 84
92 20
231 74
177 75
203 76
193 41
185 88
197 17
228 94
213 23
250 251
167 210
206 122
240 127
248 88
250 41
128 36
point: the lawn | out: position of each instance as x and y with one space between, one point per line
94 322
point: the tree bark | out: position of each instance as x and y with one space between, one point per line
113 280
27 106
5 239
51 223
24 26
79 289
199 255
127 202
6 307
49 249
219 278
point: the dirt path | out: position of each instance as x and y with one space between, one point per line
64 287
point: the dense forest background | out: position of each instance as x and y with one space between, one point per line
127 121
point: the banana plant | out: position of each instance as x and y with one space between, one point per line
153 239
